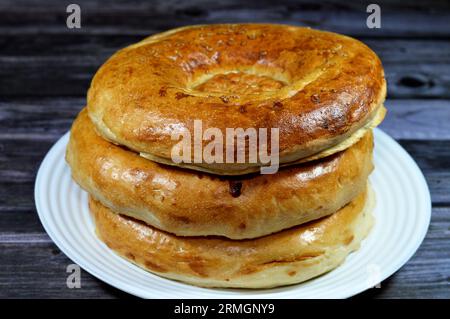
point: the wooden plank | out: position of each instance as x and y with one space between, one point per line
52 65
25 238
30 266
18 169
38 270
38 118
101 46
417 119
17 206
18 213
49 118
399 18
66 64
19 224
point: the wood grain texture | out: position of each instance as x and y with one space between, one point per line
46 68
415 68
50 117
38 265
144 17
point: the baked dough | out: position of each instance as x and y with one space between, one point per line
318 88
287 257
188 203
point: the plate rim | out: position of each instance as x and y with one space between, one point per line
129 288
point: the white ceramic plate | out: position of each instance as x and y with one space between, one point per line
402 217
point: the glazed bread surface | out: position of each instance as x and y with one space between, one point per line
189 203
287 257
318 88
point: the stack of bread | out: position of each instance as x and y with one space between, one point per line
224 224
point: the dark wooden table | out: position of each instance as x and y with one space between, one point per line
45 70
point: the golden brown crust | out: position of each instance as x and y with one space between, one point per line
317 87
193 204
283 258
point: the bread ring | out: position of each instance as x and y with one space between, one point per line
318 88
283 258
193 204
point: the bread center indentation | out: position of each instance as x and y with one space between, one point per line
239 83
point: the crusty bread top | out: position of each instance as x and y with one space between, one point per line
317 87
